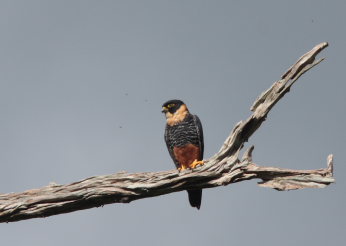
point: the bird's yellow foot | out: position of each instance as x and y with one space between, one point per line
196 163
181 168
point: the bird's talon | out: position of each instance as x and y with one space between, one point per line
196 163
181 168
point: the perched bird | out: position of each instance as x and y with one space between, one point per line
184 140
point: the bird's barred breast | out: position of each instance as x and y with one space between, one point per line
183 134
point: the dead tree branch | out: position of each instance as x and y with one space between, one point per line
223 168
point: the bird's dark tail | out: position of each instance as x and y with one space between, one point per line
195 198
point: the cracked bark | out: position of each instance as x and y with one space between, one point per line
224 168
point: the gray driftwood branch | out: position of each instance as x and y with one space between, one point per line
224 168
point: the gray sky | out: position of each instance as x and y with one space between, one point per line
81 89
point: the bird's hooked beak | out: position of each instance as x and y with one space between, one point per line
164 110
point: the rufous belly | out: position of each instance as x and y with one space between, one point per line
186 155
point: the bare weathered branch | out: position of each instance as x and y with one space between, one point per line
222 169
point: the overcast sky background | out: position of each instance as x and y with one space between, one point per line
81 89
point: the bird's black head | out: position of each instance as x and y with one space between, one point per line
172 106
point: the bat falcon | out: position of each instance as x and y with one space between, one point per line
184 140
